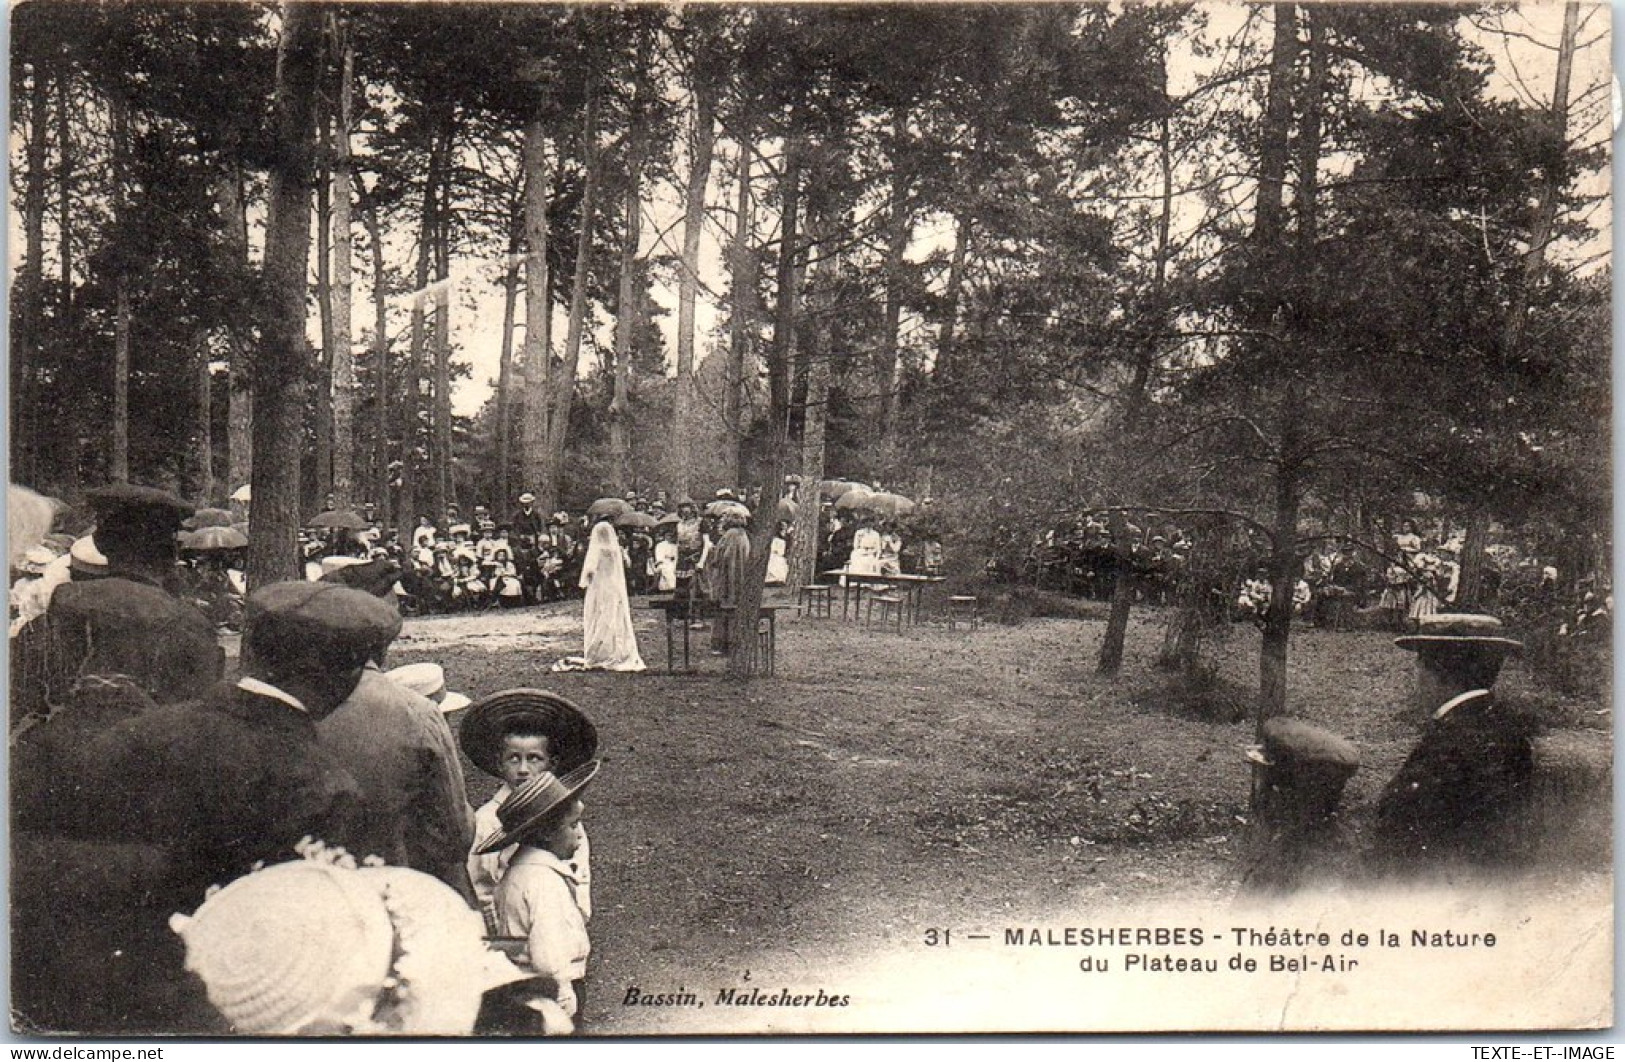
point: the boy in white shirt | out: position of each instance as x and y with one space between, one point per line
517 736
538 898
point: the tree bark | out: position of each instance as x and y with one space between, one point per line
279 370
444 492
742 330
628 300
322 474
119 458
538 312
558 427
501 486
943 370
29 345
744 659
203 433
1269 243
382 484
898 231
342 360
240 395
701 148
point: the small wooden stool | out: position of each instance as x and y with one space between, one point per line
892 609
817 601
962 606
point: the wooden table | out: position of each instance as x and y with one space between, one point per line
682 612
913 586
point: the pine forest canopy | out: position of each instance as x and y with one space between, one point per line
1290 262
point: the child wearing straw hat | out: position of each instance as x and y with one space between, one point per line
537 899
517 735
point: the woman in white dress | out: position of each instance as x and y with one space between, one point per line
865 559
609 643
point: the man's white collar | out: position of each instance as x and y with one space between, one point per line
1459 699
265 689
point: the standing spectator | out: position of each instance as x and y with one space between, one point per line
726 571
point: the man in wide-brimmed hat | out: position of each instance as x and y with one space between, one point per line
1456 796
127 623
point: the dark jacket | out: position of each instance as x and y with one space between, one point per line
1458 795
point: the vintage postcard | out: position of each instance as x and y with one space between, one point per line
778 519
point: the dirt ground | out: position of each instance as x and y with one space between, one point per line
810 829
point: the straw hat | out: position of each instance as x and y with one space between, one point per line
571 736
1443 629
429 680
531 804
318 946
1288 741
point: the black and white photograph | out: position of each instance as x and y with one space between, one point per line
614 520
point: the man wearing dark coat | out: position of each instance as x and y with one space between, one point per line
1457 798
200 792
128 623
725 573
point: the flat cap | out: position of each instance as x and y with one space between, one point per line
298 617
1293 741
130 502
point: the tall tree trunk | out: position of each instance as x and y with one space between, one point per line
743 329
411 398
803 545
501 485
382 484
1271 247
898 231
1111 644
203 433
119 462
240 394
744 658
279 370
701 147
629 300
538 314
28 347
558 425
322 474
445 493
342 358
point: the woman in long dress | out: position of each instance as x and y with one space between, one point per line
609 643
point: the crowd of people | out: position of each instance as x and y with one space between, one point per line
286 845
1396 581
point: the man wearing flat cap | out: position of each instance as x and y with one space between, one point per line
218 785
1458 794
127 623
400 750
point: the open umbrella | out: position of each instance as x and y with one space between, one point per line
635 519
727 506
242 494
342 519
207 539
834 488
890 505
669 520
207 518
857 498
608 507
